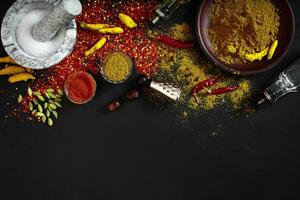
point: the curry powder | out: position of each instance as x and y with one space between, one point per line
240 27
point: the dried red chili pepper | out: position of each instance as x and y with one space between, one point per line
174 43
223 90
204 84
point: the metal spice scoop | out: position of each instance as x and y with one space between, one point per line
171 91
287 82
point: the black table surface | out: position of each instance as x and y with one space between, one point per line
144 152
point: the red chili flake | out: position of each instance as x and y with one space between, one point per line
133 42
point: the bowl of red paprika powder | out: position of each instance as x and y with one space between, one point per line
80 87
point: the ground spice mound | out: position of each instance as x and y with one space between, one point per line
117 67
187 67
240 27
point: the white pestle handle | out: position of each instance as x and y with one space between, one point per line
60 15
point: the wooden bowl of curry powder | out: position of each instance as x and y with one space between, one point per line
245 37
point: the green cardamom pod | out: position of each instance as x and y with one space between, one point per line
50 90
57 96
60 92
45 105
58 99
53 106
47 95
36 93
40 97
51 101
47 113
50 122
34 112
58 104
29 91
55 114
20 98
35 102
40 108
44 119
30 106
40 114
51 95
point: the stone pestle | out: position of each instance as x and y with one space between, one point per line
60 16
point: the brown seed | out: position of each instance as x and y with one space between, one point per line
114 105
132 94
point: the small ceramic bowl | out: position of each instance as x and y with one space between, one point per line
285 37
104 62
67 85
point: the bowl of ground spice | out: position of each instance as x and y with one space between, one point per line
245 37
117 67
80 87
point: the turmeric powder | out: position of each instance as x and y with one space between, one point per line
240 27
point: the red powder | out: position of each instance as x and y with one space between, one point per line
80 87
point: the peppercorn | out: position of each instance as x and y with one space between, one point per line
144 81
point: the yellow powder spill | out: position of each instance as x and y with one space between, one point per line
186 67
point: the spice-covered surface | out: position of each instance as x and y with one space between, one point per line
143 151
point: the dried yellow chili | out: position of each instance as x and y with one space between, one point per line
20 77
272 49
9 70
28 70
114 30
7 59
127 20
257 56
93 27
96 47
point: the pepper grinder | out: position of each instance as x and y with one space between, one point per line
169 90
40 33
165 10
287 82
